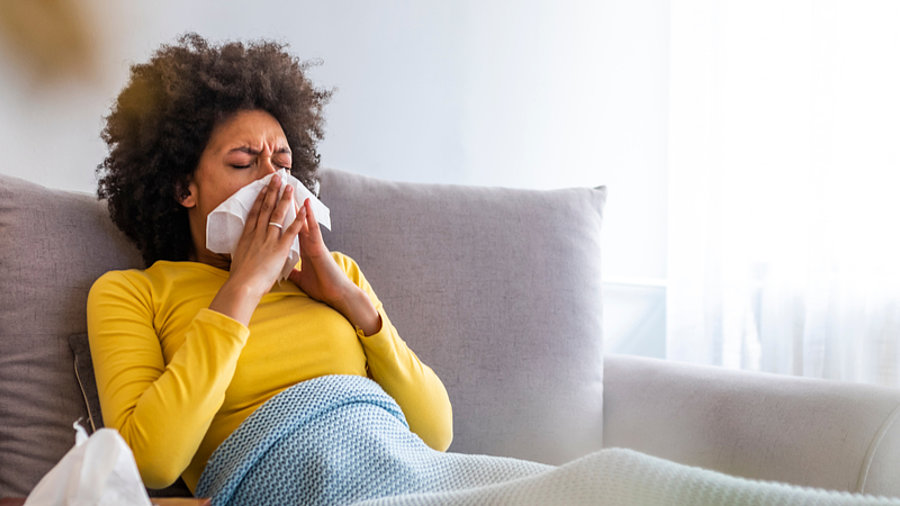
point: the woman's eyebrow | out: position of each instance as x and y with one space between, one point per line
251 151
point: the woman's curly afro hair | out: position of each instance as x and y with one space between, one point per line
161 122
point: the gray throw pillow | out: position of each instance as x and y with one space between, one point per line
84 375
499 291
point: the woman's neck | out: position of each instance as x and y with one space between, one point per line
209 258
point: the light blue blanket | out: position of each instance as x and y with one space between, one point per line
342 440
338 440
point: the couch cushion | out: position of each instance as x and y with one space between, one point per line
53 245
499 291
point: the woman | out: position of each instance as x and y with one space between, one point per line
186 349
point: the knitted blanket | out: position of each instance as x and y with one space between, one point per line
343 440
338 440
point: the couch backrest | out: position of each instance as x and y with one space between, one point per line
497 289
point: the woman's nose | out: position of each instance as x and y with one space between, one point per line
267 166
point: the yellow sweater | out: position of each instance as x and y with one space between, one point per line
176 378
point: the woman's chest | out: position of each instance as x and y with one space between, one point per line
292 338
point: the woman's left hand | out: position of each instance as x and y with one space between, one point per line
319 275
322 279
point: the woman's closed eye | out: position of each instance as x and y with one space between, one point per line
244 157
240 161
278 164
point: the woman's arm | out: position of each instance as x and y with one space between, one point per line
322 278
259 255
336 280
161 410
414 385
164 410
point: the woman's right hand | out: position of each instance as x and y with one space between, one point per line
259 255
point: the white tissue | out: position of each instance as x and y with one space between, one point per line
226 222
99 470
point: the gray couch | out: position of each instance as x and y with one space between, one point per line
499 291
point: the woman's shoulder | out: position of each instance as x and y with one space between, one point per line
118 284
347 264
118 277
343 260
352 270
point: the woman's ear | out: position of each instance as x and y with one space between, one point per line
187 195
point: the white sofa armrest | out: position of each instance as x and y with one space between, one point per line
808 432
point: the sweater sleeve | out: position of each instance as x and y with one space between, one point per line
415 386
161 410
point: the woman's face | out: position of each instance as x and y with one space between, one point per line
241 149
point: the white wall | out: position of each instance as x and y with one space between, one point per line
535 93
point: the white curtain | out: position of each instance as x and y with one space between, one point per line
784 177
